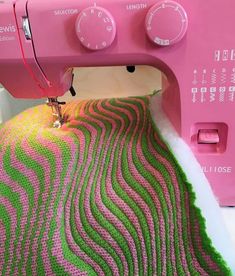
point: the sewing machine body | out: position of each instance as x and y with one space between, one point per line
41 42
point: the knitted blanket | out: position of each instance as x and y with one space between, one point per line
104 195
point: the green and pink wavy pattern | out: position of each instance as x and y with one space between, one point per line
101 196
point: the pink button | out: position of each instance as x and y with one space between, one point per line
166 23
95 28
208 136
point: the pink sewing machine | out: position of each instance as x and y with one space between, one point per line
191 42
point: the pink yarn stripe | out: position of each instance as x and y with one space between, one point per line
177 194
13 216
104 254
57 248
3 239
133 194
110 192
72 244
29 174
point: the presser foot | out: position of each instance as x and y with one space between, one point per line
56 111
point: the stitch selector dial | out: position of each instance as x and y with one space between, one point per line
95 28
166 23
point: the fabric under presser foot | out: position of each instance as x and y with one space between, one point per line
102 195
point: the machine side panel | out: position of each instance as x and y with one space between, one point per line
15 76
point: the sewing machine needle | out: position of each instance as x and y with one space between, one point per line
56 111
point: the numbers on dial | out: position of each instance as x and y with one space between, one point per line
166 23
96 28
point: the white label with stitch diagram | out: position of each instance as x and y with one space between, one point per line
215 86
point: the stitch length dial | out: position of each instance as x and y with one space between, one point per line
95 28
166 23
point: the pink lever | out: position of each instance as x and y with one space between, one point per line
208 136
